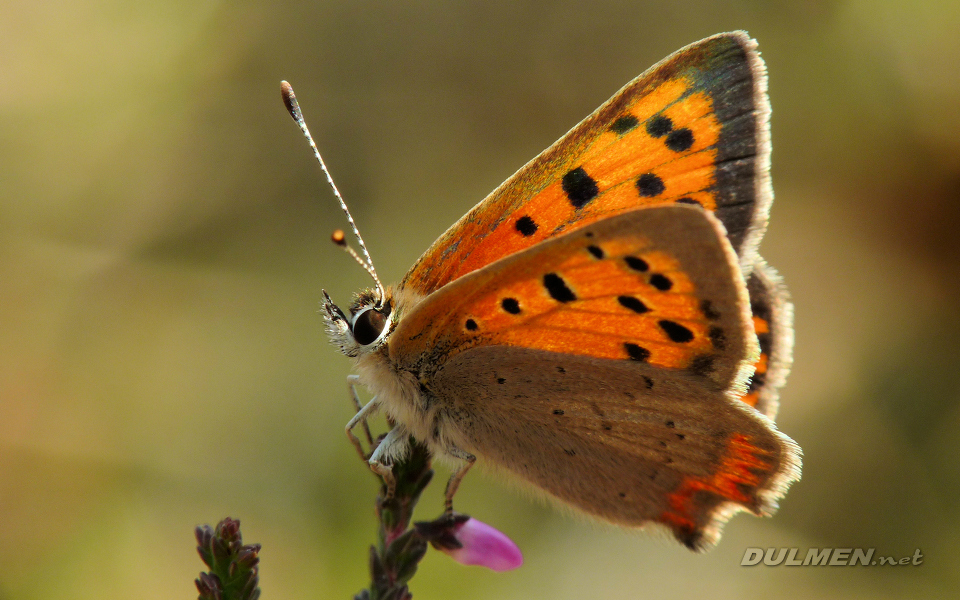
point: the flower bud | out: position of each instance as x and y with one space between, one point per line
483 545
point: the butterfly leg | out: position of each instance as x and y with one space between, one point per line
352 381
361 417
381 461
454 483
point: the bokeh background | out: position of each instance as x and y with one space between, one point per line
164 239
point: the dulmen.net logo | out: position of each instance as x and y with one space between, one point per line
825 557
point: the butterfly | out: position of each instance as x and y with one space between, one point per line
601 326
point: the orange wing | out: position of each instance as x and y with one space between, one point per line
693 129
659 286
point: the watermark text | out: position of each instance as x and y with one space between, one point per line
825 557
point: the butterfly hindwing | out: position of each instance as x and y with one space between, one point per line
773 322
693 129
628 443
658 286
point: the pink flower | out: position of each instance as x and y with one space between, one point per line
483 545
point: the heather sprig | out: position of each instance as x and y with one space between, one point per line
233 565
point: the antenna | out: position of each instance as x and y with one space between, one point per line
293 107
340 240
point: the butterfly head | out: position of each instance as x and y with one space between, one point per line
366 328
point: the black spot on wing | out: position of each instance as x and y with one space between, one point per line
637 264
659 126
717 338
679 140
650 185
596 251
624 124
711 313
526 226
579 187
634 304
557 288
676 332
661 282
635 352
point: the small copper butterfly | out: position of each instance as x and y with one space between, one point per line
601 325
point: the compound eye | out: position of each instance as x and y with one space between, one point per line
368 326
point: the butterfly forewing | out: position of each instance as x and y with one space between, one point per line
691 130
658 286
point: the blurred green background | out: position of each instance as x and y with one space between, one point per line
164 235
